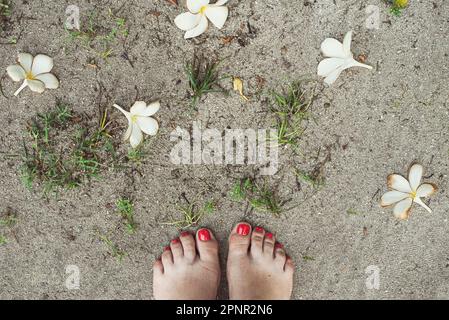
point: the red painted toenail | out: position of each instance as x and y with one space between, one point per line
204 235
258 229
185 233
243 229
175 241
269 235
167 248
279 245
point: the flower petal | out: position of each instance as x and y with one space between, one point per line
187 21
333 76
198 30
422 204
148 125
415 175
351 62
220 3
126 113
151 109
136 136
16 72
426 190
217 15
392 197
26 61
402 209
347 44
138 108
141 109
398 183
128 132
36 85
50 81
195 6
41 64
333 48
329 65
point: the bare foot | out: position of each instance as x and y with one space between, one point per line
186 271
258 268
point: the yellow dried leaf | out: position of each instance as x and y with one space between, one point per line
400 3
238 86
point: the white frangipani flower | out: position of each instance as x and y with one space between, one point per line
404 192
196 22
339 58
35 73
139 119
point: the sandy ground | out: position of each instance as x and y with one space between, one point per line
371 123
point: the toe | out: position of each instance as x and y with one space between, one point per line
240 239
188 245
158 268
289 266
176 249
268 245
207 246
279 255
257 239
167 258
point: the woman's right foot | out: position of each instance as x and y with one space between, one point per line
258 268
188 269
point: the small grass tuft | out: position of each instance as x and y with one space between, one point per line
100 37
352 212
136 155
291 108
308 258
7 220
5 11
314 179
192 215
203 77
63 150
260 197
114 249
126 210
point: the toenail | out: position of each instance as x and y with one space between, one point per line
258 229
279 245
167 248
185 233
175 241
269 235
243 229
204 235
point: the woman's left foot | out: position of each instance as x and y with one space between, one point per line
188 269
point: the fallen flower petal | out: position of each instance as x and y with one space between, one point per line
406 192
339 58
139 120
34 72
195 22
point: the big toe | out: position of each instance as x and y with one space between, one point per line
207 246
240 239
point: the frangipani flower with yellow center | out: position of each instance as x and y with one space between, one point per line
196 22
339 58
139 119
35 73
404 192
